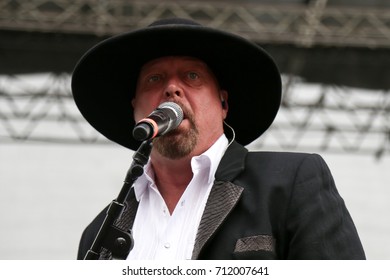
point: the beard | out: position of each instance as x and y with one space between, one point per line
179 142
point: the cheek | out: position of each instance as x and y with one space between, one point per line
142 108
137 116
136 110
211 113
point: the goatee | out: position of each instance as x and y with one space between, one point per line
179 142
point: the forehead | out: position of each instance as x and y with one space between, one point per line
169 61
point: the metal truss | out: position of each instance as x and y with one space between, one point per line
312 117
315 23
41 108
338 119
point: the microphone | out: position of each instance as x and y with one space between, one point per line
165 118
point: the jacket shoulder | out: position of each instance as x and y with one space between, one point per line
284 161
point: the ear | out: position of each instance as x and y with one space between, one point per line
224 101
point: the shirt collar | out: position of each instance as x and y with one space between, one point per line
209 159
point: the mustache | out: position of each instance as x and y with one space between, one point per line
190 117
187 114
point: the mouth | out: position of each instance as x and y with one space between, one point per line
184 124
187 117
184 121
185 114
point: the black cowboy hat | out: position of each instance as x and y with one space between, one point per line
104 80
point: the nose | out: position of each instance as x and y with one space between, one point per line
173 90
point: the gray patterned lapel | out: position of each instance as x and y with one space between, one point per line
125 222
222 199
127 218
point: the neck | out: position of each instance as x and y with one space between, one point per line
171 177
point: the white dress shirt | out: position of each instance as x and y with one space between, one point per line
159 235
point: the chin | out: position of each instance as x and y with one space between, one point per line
177 144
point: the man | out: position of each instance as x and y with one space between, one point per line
203 195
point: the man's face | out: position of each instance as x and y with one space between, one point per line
191 84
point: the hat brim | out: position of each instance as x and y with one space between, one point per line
104 80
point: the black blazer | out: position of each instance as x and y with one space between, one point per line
265 205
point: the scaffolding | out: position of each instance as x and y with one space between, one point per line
322 116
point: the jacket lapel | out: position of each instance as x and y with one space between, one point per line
125 221
223 197
127 218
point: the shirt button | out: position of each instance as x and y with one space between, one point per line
167 245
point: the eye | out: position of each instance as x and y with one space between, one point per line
193 75
153 78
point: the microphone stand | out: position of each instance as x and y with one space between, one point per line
115 240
